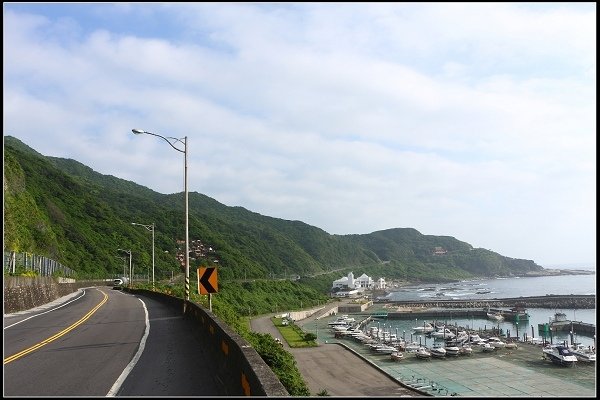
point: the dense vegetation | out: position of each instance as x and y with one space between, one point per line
61 209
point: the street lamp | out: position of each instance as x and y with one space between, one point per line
183 141
130 270
150 228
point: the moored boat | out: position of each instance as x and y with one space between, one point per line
422 353
496 316
438 351
486 347
397 355
443 333
496 342
426 328
465 349
559 355
585 354
452 350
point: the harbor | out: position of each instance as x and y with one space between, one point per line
517 371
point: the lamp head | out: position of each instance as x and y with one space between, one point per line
138 131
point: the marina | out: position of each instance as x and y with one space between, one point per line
513 363
508 369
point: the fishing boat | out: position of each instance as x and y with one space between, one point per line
560 322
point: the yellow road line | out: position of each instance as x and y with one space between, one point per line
59 334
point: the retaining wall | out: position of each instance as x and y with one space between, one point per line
24 292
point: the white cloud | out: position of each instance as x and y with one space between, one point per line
471 120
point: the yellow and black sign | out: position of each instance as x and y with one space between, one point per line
207 280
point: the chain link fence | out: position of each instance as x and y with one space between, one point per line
42 266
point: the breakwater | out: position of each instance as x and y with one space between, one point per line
548 301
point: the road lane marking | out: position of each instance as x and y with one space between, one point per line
119 382
37 315
58 335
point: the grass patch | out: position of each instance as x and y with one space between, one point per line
293 334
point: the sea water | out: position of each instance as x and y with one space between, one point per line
500 288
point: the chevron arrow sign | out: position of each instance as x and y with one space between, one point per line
207 280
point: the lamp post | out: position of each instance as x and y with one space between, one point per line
150 228
183 141
124 267
130 270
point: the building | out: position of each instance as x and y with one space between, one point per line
349 283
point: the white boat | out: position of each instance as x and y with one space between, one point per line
342 320
465 349
426 328
397 356
559 355
452 350
411 347
438 351
422 353
462 336
495 316
585 354
496 342
383 349
443 333
475 339
486 347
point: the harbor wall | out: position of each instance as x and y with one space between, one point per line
548 301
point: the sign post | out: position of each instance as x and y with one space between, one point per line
207 282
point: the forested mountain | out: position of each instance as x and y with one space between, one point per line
64 210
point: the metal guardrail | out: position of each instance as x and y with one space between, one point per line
43 266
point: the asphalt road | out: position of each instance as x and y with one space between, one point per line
104 342
336 370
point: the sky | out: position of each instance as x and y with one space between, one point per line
471 120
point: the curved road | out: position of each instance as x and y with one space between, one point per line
335 369
104 342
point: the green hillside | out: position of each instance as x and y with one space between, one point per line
64 210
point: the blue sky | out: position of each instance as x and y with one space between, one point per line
476 121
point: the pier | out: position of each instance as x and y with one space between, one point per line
548 301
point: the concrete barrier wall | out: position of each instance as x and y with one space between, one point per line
239 367
300 315
24 292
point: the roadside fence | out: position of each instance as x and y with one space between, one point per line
43 266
